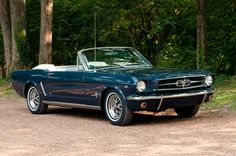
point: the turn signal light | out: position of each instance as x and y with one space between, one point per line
143 105
210 97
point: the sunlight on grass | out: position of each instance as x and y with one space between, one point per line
225 95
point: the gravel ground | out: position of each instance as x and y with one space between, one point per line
64 131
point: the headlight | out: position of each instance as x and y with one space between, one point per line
208 80
141 86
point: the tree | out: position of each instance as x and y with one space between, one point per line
202 55
6 31
221 34
45 50
163 30
12 15
18 29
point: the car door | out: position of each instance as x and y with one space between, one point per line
66 86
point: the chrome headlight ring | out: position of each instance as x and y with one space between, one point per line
141 86
208 80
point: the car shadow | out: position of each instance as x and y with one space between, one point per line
155 119
138 118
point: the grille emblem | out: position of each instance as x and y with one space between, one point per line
183 83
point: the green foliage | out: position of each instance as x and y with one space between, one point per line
2 80
222 80
152 27
163 30
33 29
6 88
222 36
225 93
22 46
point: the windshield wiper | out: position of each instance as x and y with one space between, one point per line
109 67
137 64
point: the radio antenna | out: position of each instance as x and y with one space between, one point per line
95 39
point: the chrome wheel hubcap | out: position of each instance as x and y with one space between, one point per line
114 106
33 99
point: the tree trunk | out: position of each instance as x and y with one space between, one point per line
18 29
202 55
6 31
45 50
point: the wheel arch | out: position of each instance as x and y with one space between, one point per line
28 84
104 93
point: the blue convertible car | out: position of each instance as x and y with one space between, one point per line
117 80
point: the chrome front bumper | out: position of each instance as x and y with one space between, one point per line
160 97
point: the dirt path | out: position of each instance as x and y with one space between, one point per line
81 132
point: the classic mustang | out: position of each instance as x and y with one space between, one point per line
117 80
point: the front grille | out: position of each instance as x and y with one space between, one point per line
181 83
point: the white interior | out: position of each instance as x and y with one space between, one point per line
98 63
52 67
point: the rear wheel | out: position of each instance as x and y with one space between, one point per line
186 112
116 109
34 101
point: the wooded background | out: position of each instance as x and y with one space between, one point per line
197 34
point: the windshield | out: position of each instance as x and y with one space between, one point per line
113 57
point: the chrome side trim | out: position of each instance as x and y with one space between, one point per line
137 98
42 87
74 105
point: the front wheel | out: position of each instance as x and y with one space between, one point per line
187 112
34 101
116 110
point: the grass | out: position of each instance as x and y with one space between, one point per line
6 89
225 96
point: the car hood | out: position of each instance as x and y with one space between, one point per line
155 73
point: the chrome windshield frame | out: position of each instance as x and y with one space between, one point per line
80 57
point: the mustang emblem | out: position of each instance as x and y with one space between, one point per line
183 83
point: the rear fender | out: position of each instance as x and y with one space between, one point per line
28 84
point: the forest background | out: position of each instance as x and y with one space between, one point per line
170 33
